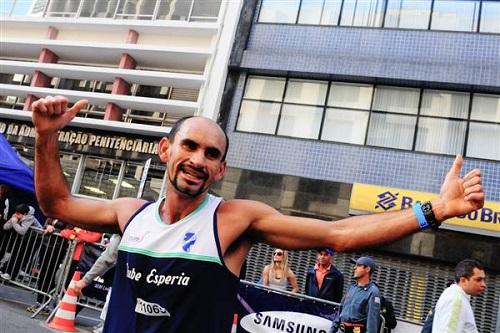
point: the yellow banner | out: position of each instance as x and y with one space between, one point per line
370 198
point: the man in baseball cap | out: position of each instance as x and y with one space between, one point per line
360 307
324 280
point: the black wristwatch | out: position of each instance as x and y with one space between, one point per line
429 215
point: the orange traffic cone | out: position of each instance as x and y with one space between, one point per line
234 327
64 319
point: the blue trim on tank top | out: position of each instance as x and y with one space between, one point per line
135 214
217 242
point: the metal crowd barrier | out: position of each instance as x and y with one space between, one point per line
41 264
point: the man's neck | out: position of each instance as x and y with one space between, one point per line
324 266
363 281
177 206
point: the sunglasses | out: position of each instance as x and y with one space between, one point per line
279 254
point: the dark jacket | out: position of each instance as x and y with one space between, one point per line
332 287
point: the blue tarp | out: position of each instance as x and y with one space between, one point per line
13 171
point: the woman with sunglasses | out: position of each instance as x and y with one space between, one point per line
277 274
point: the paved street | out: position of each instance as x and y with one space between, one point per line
15 318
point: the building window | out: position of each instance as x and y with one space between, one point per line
490 17
425 120
448 15
362 13
390 125
455 15
408 14
131 182
100 177
485 127
261 105
69 164
324 12
283 11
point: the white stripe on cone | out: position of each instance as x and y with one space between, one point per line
70 315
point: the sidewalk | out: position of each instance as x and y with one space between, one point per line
15 318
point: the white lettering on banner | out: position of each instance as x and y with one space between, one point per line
284 321
92 140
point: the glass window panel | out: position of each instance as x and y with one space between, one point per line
205 10
131 181
136 9
279 11
480 141
392 131
69 163
300 121
306 92
345 126
259 117
445 104
63 7
455 15
310 11
98 8
350 96
440 136
485 107
38 7
270 89
365 13
490 17
408 14
331 12
394 99
99 177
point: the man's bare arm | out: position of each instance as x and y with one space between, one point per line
458 196
54 197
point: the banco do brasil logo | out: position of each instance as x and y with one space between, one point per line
386 200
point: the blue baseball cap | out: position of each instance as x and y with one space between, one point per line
327 250
367 261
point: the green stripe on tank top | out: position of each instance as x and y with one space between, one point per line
182 255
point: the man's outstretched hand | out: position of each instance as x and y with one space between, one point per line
461 195
50 114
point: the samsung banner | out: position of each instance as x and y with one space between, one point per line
263 311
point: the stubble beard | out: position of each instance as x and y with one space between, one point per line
186 191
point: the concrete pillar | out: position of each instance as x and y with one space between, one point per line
120 86
39 79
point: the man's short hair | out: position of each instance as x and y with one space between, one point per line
22 209
178 124
465 269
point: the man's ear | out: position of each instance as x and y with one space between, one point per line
164 149
222 171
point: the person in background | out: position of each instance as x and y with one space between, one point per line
360 308
52 252
4 204
277 274
453 312
22 219
324 280
105 262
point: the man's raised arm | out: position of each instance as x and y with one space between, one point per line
458 196
49 115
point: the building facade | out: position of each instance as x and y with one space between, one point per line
141 64
339 108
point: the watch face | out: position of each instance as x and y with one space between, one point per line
426 208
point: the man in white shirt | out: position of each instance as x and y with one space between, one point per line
453 312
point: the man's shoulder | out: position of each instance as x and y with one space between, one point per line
336 271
